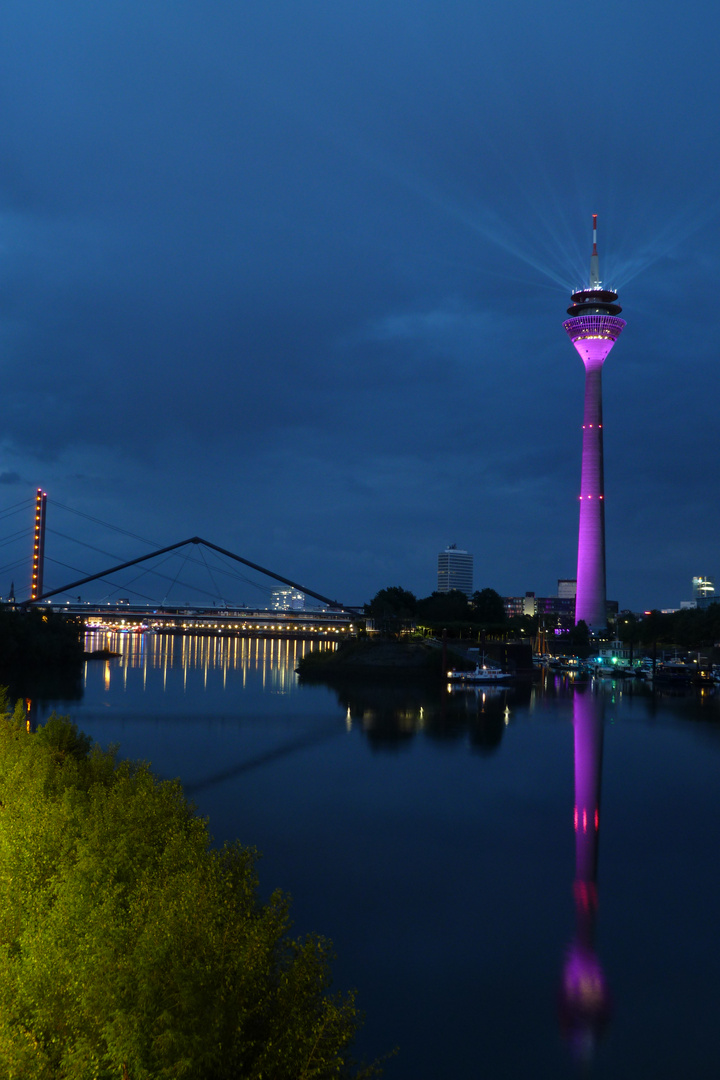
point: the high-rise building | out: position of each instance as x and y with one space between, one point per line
593 328
455 570
567 587
287 600
703 591
702 587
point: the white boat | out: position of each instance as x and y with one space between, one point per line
485 673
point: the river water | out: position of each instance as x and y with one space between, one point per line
498 917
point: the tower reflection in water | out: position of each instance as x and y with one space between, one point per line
584 995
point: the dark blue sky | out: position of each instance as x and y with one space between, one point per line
292 276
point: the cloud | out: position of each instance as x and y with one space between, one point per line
319 258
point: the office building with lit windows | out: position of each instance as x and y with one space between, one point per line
287 600
455 570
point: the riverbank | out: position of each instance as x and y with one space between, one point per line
36 640
379 658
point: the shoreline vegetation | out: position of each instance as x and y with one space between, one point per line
379 659
39 639
383 659
130 946
394 610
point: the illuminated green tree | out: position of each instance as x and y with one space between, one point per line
129 947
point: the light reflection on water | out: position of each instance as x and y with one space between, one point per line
432 837
274 658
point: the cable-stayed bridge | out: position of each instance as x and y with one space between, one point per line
190 584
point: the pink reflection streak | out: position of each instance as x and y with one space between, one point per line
584 995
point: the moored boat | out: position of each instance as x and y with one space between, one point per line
483 673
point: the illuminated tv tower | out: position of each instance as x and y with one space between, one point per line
593 329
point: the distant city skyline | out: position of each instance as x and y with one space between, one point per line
260 591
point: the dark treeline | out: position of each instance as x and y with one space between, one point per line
689 628
394 608
38 639
130 947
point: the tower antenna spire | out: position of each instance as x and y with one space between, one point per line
594 259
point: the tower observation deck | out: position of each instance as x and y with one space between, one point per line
593 328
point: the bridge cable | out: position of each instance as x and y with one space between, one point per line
27 533
333 604
13 565
237 576
165 577
212 578
106 524
267 590
182 566
57 562
127 587
10 511
16 506
84 543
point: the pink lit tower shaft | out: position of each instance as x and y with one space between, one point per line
593 329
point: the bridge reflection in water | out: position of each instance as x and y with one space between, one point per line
274 658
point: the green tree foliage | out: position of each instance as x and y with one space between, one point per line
392 608
628 627
448 607
690 628
395 607
488 608
578 639
522 626
129 947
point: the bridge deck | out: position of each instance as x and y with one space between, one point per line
212 620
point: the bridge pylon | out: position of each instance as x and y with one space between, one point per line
38 560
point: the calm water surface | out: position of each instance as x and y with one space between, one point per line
432 837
